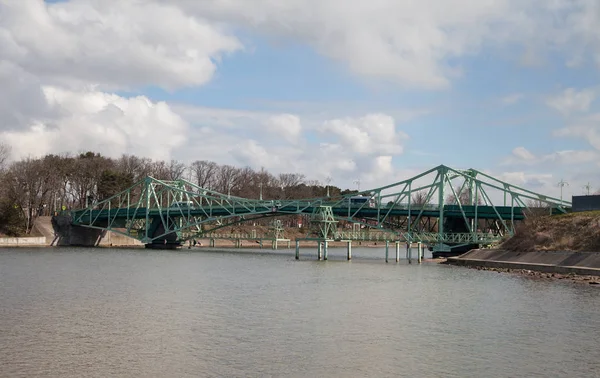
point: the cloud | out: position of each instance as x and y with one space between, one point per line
374 134
586 128
118 44
571 101
414 44
285 125
103 122
522 156
512 98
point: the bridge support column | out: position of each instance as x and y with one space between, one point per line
349 251
260 243
420 251
211 243
387 250
409 253
319 250
297 249
397 251
325 250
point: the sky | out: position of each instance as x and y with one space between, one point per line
374 91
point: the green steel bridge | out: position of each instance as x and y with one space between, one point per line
457 207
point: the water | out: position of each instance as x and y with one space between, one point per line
137 313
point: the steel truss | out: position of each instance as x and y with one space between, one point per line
155 210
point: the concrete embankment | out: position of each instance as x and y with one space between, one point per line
23 242
562 262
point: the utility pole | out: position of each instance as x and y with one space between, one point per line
328 180
562 183
587 187
357 182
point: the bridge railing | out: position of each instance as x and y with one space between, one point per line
428 237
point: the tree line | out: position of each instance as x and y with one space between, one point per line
33 187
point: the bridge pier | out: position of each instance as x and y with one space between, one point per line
387 250
349 251
420 251
409 253
325 250
297 249
397 251
319 250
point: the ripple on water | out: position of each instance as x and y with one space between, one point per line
74 313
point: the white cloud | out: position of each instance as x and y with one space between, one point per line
512 98
286 125
372 134
523 154
571 100
587 128
117 44
102 122
412 43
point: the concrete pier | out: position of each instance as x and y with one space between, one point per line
387 250
349 251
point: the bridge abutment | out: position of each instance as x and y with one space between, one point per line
67 234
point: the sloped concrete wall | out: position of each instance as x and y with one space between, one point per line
546 261
70 235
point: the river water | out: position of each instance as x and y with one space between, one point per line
216 313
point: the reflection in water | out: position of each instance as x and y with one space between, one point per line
137 313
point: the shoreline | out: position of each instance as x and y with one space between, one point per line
573 277
554 265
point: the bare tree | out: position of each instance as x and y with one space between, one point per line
464 197
287 180
204 173
419 198
176 170
28 184
134 166
226 178
4 155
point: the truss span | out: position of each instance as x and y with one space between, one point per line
461 202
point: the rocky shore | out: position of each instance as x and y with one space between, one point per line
584 279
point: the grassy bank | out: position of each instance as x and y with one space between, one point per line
568 232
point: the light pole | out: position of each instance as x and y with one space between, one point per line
562 184
587 187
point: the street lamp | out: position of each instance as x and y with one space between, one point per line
561 184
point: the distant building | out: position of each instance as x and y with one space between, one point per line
586 203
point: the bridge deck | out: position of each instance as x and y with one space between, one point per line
450 211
